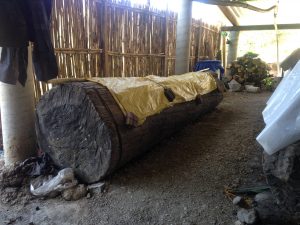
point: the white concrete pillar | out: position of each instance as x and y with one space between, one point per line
184 23
17 115
233 46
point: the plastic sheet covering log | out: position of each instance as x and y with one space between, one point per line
81 126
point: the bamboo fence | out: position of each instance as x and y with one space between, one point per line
113 38
204 43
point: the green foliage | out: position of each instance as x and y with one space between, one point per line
251 55
269 83
250 68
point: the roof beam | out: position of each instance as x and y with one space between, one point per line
235 11
261 27
236 4
229 15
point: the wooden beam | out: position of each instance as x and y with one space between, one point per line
229 15
235 11
261 27
235 4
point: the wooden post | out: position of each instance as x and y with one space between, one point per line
105 44
17 113
224 53
233 46
166 45
183 37
200 36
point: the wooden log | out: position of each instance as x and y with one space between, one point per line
81 126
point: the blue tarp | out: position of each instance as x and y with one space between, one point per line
213 65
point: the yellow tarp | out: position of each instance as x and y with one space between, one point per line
144 97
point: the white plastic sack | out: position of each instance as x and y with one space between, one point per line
282 114
43 187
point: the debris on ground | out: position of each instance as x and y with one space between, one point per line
64 182
36 166
39 173
238 223
97 187
14 175
241 202
248 216
75 193
179 182
276 202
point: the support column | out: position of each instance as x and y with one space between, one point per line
184 23
17 113
233 46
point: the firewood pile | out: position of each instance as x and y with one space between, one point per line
249 69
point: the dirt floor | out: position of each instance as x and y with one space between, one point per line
181 181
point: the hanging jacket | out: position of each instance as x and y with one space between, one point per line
22 21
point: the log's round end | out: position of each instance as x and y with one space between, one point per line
73 132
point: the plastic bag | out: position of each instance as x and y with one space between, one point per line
282 114
49 185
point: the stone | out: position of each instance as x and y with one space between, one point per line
237 200
264 196
234 85
96 188
240 201
269 211
80 192
282 170
238 223
248 216
75 193
88 195
67 194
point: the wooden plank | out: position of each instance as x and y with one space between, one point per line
262 27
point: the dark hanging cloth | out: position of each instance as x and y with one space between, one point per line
22 21
13 65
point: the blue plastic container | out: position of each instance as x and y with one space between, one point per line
213 65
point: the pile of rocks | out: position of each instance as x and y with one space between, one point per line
262 210
280 205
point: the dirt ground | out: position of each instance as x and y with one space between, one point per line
180 182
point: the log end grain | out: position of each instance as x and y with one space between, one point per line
72 132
